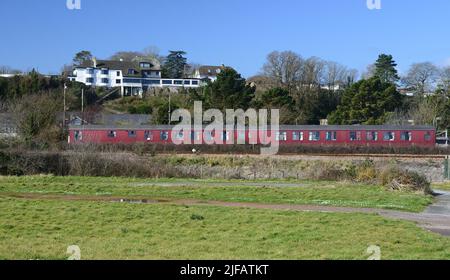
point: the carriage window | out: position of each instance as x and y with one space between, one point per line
406 136
180 135
314 136
112 134
195 136
78 135
225 136
209 136
241 135
355 136
281 136
331 136
372 136
297 136
131 133
148 135
427 136
164 135
389 136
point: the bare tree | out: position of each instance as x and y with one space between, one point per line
444 79
313 72
422 77
284 68
370 72
8 70
336 74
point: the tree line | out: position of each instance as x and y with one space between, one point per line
306 90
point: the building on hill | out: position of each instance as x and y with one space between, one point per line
208 73
133 78
8 126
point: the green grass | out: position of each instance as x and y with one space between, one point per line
314 193
34 229
442 186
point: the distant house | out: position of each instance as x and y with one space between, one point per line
8 126
206 73
133 78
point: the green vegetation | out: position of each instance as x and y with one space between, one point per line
34 229
307 192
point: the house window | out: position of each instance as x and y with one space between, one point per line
164 135
331 136
145 65
90 80
105 71
389 136
297 136
406 136
355 136
132 133
281 136
178 82
167 82
118 73
195 82
428 136
105 80
78 135
131 71
148 136
372 136
314 136
90 71
118 81
187 82
112 134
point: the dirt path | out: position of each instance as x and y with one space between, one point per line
435 218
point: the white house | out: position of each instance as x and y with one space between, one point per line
133 78
210 73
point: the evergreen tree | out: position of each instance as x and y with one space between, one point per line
229 91
385 69
367 102
174 65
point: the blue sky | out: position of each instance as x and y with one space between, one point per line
44 34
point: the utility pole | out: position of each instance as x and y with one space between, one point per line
82 100
170 111
64 117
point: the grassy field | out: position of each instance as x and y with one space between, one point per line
35 229
442 186
308 192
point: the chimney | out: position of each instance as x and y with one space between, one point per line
94 61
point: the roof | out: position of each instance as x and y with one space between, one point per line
209 70
282 127
123 66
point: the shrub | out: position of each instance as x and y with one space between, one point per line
403 180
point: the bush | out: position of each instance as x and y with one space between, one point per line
403 180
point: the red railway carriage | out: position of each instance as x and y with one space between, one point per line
391 136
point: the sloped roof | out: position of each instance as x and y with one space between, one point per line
209 70
123 66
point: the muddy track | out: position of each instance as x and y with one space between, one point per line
435 218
